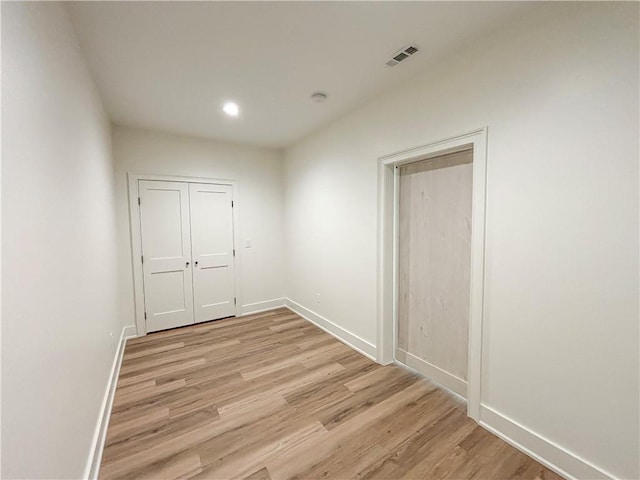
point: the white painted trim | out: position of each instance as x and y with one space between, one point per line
345 336
387 251
433 149
136 239
396 256
129 332
100 434
265 306
548 453
385 270
438 375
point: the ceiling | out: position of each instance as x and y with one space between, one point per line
171 65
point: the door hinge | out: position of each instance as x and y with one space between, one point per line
142 258
231 203
235 301
145 315
138 200
234 252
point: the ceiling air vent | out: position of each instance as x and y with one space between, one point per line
401 55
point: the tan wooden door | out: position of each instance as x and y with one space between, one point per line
434 267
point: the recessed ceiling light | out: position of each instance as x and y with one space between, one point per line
231 109
319 97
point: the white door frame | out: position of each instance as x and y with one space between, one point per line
136 238
388 250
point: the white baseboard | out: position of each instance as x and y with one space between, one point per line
100 434
257 307
429 370
345 336
128 332
539 448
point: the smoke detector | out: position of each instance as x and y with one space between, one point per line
319 97
402 55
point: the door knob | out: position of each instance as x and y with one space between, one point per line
196 263
187 265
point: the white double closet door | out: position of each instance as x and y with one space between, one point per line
187 252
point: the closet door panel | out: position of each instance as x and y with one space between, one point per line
166 250
212 249
434 261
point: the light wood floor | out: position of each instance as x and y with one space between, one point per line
273 396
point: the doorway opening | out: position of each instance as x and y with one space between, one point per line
431 261
184 256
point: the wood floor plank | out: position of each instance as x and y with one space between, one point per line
184 466
141 461
308 455
384 435
148 436
131 354
173 356
141 395
147 375
272 397
426 446
303 358
262 474
137 424
241 463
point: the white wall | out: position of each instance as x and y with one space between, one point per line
558 89
58 247
258 173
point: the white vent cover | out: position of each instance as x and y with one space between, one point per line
401 55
